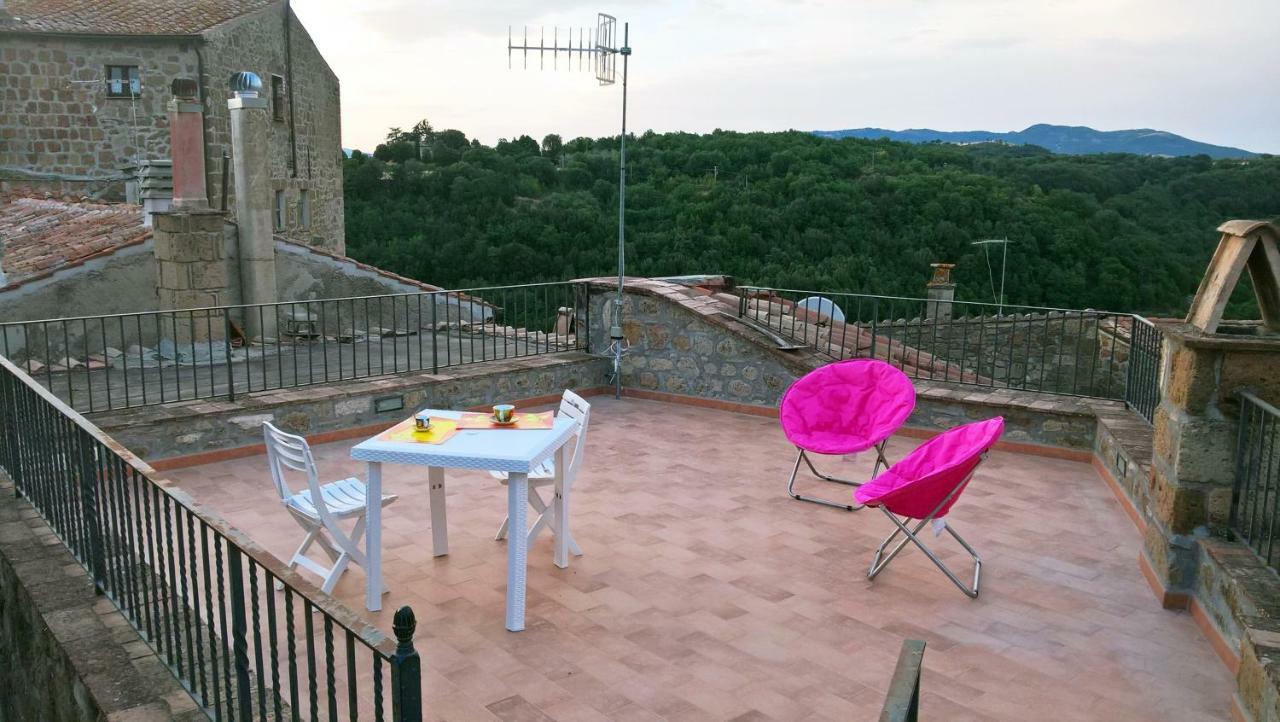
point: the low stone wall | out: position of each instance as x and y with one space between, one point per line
67 654
198 427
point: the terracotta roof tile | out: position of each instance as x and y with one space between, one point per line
122 17
42 236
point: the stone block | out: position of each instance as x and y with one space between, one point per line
1180 508
1205 452
211 275
1257 372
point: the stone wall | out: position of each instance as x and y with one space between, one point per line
257 42
195 427
67 654
123 282
684 346
60 131
194 270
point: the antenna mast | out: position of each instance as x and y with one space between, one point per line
597 46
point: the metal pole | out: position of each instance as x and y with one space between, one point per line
1004 263
625 51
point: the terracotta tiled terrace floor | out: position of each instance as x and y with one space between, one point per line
705 593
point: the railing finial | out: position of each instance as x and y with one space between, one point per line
404 625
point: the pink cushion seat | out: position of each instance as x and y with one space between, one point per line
921 480
846 407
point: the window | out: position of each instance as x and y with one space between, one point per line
279 215
277 97
123 81
304 208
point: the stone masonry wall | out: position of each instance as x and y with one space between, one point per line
683 345
67 654
192 427
60 131
256 43
688 348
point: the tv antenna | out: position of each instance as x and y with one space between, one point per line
1004 262
595 48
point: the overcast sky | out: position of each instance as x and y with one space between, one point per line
1205 69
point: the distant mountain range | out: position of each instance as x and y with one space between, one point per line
1067 139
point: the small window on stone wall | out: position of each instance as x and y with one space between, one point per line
277 97
304 208
123 81
279 211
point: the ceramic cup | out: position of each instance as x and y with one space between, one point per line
503 413
422 421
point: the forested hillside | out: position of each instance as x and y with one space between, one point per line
1121 232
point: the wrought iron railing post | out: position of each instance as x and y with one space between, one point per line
435 339
875 325
239 633
226 348
406 670
89 509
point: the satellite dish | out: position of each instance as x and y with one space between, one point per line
822 307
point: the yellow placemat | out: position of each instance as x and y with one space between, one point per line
405 431
540 420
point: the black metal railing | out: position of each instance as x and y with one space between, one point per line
102 363
1255 498
246 636
1053 350
1142 383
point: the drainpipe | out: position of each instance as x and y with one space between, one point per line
288 80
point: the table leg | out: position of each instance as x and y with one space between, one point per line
517 548
439 520
560 513
373 537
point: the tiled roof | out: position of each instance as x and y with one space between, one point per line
122 17
38 237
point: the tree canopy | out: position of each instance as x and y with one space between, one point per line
1121 232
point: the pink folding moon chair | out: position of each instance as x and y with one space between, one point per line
844 408
924 485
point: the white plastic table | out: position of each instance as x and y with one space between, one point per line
515 451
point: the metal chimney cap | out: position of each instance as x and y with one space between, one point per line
184 87
246 84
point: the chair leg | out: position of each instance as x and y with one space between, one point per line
911 535
791 485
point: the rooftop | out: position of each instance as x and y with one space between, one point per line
41 236
122 17
705 593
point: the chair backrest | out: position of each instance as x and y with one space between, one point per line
846 407
935 473
291 452
576 408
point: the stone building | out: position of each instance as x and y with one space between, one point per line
86 84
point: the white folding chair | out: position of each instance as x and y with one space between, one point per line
576 408
319 508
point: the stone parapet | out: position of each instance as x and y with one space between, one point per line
201 427
65 652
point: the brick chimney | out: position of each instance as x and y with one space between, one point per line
941 292
250 136
186 141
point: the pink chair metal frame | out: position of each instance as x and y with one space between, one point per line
907 507
824 395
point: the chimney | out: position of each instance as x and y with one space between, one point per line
186 144
940 291
250 129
